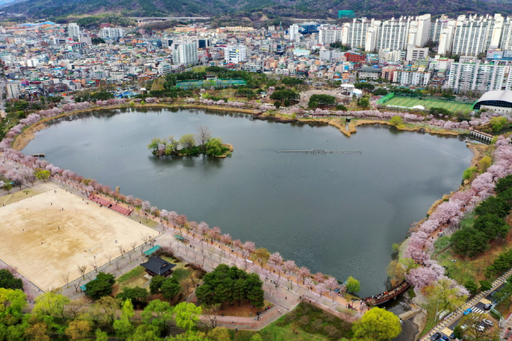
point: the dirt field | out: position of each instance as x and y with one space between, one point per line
49 235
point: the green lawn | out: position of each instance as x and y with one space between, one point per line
305 322
410 102
138 271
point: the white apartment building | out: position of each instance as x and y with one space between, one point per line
506 35
419 31
111 33
185 53
472 35
480 77
13 89
446 38
394 34
411 78
354 33
73 30
235 53
293 33
329 34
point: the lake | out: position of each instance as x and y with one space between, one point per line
338 213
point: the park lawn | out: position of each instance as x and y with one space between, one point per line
274 333
144 220
428 103
464 269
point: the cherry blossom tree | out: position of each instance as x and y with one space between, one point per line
225 239
304 273
249 246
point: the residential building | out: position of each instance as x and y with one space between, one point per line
73 31
185 53
111 33
13 89
370 73
414 53
480 77
235 53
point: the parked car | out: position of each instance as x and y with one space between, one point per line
468 311
479 327
435 337
488 322
488 306
445 338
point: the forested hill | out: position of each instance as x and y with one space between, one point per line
249 9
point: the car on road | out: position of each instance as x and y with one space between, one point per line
488 322
488 306
468 311
435 337
445 338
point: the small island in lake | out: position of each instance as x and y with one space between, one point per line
191 145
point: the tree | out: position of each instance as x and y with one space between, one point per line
145 333
156 284
123 326
50 304
8 281
469 242
471 286
186 315
78 329
396 121
484 163
157 314
494 206
219 334
214 147
256 337
37 332
363 102
445 295
188 141
377 324
42 174
135 294
101 335
101 286
485 285
261 254
468 173
170 287
105 310
497 123
203 135
353 285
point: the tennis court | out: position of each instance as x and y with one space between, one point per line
410 102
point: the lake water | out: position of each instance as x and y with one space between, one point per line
337 213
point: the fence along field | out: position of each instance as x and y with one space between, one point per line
47 236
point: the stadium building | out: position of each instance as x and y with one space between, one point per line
497 101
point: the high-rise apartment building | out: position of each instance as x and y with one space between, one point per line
235 53
419 31
479 77
111 33
185 53
329 34
73 30
293 32
394 34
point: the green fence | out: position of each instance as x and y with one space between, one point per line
216 83
386 98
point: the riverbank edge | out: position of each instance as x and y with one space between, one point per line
355 122
478 151
22 140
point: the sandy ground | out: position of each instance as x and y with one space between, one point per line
47 236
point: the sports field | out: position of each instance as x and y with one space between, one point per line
47 236
410 102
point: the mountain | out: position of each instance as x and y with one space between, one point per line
245 8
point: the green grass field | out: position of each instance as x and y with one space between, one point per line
410 102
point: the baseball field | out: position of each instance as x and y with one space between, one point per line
410 102
48 235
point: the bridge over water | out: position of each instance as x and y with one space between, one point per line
321 151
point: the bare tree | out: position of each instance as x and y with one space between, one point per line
94 264
203 135
211 313
109 256
130 254
76 285
82 269
74 307
116 263
121 251
133 245
65 277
